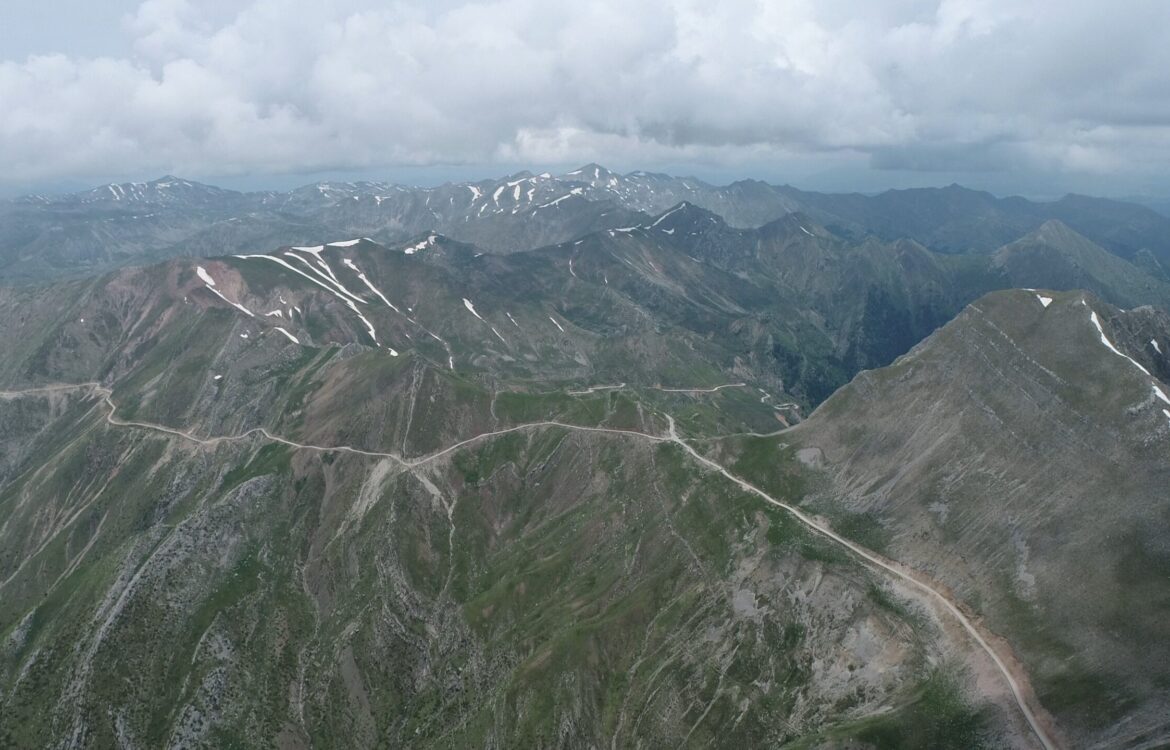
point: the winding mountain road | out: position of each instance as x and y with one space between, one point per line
620 386
890 567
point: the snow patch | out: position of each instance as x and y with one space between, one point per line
348 243
350 265
1154 344
1046 301
291 337
554 202
1105 340
327 283
555 323
512 319
668 213
369 326
345 295
203 274
428 242
236 305
471 307
274 313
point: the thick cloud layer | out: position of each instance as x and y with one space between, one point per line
284 86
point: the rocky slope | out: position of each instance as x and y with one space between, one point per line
257 541
418 494
1019 455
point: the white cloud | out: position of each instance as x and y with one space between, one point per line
283 86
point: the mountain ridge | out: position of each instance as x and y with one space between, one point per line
315 404
42 237
535 462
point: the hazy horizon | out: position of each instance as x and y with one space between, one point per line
828 96
435 176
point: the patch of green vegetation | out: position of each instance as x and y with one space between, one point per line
783 529
533 407
240 581
888 602
173 366
1092 698
623 412
1064 684
698 520
1142 562
272 458
936 718
815 548
296 377
771 465
120 501
864 528
479 464
809 364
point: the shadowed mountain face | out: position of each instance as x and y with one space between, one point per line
455 488
680 297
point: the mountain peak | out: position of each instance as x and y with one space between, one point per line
797 223
687 216
590 172
1056 231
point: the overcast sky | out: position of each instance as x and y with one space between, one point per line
1037 97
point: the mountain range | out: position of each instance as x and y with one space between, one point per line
133 223
582 461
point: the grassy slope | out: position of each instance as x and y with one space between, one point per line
591 586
